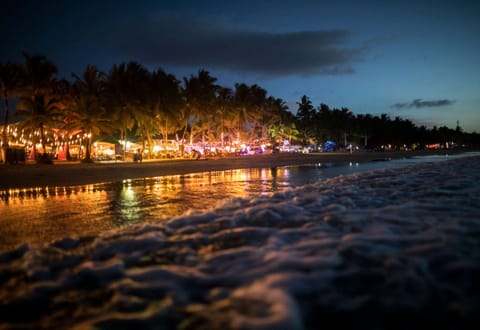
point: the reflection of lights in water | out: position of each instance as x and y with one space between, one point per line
50 213
128 205
265 173
43 192
128 195
40 215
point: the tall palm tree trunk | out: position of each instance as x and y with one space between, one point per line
150 143
3 151
44 158
124 137
88 151
165 132
7 111
42 137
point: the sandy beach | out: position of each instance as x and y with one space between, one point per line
70 173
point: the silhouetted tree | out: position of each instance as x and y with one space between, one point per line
88 107
12 79
306 118
40 78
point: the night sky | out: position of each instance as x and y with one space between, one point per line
414 59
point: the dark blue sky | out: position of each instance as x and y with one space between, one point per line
413 59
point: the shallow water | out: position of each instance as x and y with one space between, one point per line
394 248
41 215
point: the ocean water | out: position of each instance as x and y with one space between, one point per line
386 248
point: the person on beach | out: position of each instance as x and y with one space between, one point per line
138 156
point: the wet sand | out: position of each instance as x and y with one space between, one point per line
70 174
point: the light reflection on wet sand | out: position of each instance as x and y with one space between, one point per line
46 214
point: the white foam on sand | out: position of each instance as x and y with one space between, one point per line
389 248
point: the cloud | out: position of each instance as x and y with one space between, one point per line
196 43
419 103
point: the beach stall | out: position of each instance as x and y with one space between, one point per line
105 149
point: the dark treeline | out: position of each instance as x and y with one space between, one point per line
131 102
343 127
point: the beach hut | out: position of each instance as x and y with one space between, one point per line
104 149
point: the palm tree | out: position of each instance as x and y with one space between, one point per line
200 94
164 102
224 106
87 106
62 116
40 105
138 102
126 90
11 81
263 111
242 109
284 123
89 117
37 113
306 117
250 104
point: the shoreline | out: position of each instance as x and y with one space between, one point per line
23 176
